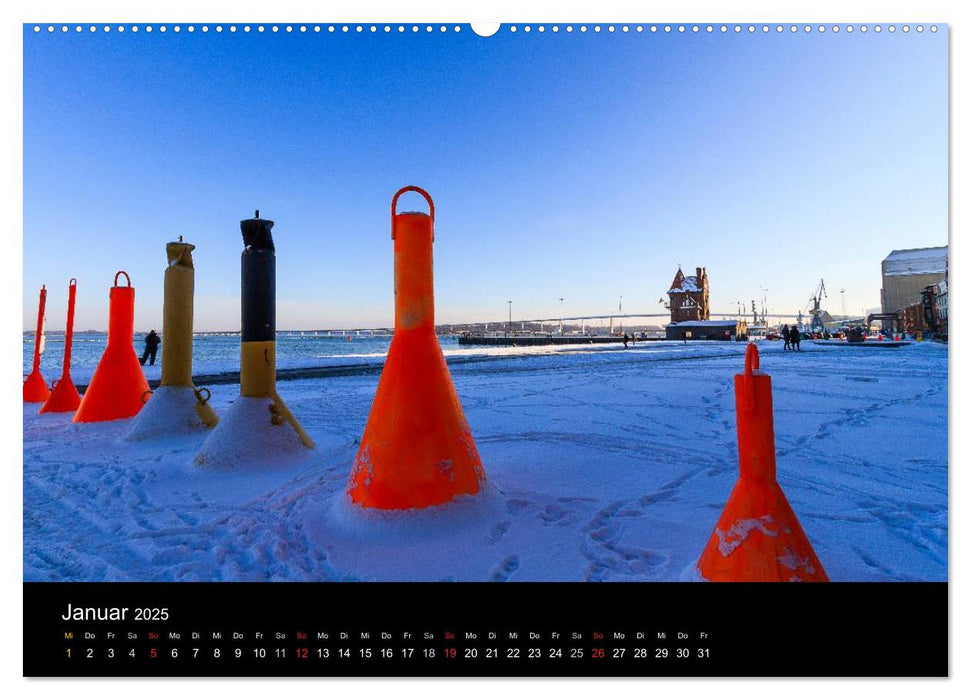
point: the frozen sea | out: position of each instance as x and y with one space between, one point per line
603 464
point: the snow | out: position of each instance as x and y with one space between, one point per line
250 433
916 261
602 464
688 284
171 410
704 324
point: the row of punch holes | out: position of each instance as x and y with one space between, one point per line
512 28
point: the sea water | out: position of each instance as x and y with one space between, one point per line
219 351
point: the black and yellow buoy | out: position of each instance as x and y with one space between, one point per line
258 422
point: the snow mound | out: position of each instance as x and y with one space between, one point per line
171 410
246 436
341 517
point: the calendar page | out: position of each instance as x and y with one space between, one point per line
449 349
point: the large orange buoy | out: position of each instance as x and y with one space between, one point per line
417 449
758 537
118 388
65 396
35 388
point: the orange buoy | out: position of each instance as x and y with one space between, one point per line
758 537
417 449
35 388
118 388
65 396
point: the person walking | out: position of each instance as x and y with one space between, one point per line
626 339
794 338
785 336
152 341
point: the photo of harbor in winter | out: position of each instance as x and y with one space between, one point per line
543 322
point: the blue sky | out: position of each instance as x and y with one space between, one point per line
583 166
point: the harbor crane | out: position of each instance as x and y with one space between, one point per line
813 305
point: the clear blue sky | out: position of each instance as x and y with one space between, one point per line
582 166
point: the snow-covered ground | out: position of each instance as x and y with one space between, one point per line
603 464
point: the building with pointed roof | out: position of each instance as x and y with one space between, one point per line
689 296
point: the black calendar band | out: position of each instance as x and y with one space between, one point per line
482 629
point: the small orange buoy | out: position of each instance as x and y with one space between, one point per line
118 384
65 397
35 388
758 536
417 449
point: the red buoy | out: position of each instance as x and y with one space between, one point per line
758 536
35 388
417 449
118 388
65 397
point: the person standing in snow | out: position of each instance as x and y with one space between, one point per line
626 339
794 338
152 341
785 336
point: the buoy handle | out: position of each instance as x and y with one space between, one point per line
74 282
145 394
411 188
122 272
203 400
751 359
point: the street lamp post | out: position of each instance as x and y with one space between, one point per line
620 312
561 315
509 327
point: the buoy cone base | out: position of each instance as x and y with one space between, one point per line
253 431
35 388
63 399
759 538
117 390
417 449
173 410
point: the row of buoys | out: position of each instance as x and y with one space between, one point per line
417 449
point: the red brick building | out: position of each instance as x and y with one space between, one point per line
689 296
